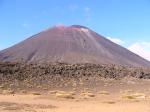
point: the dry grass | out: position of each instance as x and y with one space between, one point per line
63 94
8 92
1 87
45 88
109 102
36 93
134 96
16 107
52 92
87 94
103 92
24 91
39 86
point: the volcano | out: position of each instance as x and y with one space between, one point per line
71 44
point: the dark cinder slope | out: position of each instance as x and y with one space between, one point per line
72 44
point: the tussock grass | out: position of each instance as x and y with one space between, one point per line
103 92
2 87
109 102
24 91
67 95
8 92
87 94
63 94
36 93
52 92
134 96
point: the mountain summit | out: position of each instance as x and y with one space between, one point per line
71 44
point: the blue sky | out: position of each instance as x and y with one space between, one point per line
126 22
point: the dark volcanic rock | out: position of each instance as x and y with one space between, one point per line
62 75
22 71
73 44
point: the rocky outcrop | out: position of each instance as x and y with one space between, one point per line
57 71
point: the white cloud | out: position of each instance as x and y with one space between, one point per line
116 40
141 48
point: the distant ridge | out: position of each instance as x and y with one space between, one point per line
71 44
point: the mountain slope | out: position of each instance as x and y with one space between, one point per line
72 44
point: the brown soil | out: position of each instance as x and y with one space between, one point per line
107 97
60 87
